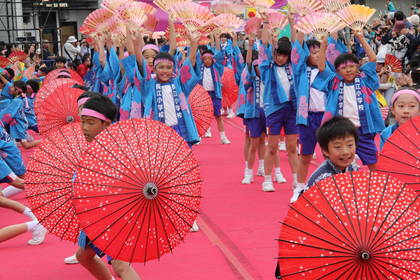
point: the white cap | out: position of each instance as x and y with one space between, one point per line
71 39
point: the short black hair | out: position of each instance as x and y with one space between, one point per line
20 85
399 15
254 55
85 57
313 43
102 104
43 69
336 127
80 87
343 58
226 35
60 59
88 94
33 84
164 56
284 46
415 76
202 48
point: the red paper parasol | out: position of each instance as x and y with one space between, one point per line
47 89
357 225
48 181
400 155
61 73
394 63
58 109
4 62
16 56
137 190
202 109
229 88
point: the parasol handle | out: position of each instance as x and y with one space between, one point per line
150 190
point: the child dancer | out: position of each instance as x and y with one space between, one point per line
97 114
279 105
351 94
251 100
310 104
405 104
209 68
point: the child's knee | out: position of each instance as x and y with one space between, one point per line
84 255
120 267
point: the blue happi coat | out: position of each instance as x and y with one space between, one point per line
248 105
217 71
329 81
184 83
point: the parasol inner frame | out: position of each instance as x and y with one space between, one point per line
69 119
150 190
364 255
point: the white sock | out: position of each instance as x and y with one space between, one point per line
28 213
222 134
248 171
260 163
267 178
277 170
11 191
31 225
294 175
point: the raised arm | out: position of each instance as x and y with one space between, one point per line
217 41
368 49
138 47
194 47
101 49
265 35
323 55
172 36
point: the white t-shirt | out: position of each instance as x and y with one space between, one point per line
261 94
208 79
316 97
350 109
282 75
169 106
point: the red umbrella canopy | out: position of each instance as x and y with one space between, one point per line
63 72
400 156
58 109
48 181
357 225
201 108
47 89
137 191
230 89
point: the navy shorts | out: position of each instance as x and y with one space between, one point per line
256 127
366 148
84 242
283 118
307 134
217 104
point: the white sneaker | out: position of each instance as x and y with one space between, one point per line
208 133
279 178
194 227
297 190
38 235
71 260
260 171
282 146
248 179
224 140
231 115
268 187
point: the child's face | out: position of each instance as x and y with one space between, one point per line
348 71
314 56
149 55
60 64
87 61
405 107
341 151
164 71
208 61
12 90
92 126
281 59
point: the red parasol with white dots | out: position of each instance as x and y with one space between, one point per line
400 156
48 181
357 225
137 190
63 73
58 109
201 108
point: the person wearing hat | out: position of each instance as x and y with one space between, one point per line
71 49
